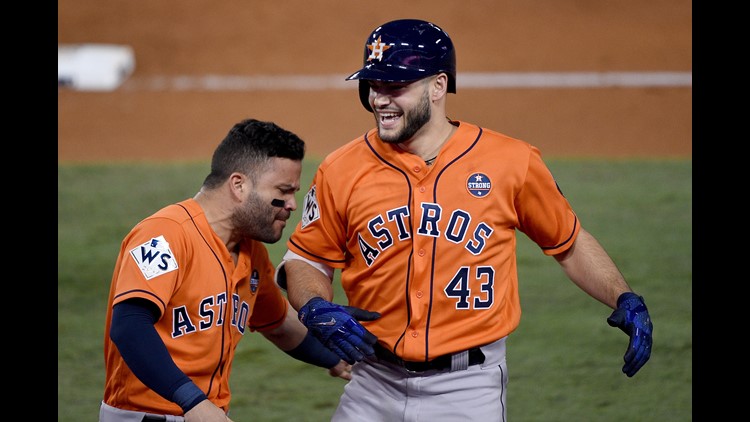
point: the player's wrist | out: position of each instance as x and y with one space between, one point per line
312 351
627 296
315 300
188 395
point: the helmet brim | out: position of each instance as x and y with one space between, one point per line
388 73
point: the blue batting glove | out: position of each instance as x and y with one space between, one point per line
336 326
631 316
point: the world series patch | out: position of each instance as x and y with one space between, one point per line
310 209
479 185
154 257
254 280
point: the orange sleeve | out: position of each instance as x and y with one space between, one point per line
156 286
544 213
270 304
322 230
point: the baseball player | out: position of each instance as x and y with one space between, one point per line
193 278
421 214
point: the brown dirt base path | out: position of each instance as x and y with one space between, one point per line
294 37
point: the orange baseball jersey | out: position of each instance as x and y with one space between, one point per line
174 259
432 248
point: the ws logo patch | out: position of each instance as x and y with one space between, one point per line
154 258
310 209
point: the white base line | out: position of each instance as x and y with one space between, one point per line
465 80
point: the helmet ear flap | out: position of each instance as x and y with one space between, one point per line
364 94
451 84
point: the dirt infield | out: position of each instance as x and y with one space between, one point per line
292 37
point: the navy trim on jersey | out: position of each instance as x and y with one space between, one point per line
407 298
317 257
220 364
575 224
163 305
434 245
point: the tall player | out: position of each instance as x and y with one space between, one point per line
420 214
192 279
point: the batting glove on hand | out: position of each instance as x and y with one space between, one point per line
631 316
337 328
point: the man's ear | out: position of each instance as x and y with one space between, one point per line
238 185
439 86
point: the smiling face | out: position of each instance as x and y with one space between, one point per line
401 109
256 217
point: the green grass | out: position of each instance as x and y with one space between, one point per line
564 360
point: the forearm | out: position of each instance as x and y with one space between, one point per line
289 334
293 338
305 282
310 291
589 266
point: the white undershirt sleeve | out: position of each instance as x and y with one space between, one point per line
288 256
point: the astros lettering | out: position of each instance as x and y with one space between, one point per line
211 311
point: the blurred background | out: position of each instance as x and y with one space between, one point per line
202 65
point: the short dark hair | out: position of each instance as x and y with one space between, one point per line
248 146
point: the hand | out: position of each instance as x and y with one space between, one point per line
206 411
631 316
337 328
342 370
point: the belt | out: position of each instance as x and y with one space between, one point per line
147 418
439 363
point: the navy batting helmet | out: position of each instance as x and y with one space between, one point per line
405 50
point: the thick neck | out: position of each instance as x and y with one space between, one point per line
427 145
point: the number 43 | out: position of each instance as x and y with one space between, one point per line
459 288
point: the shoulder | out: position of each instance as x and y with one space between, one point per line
490 142
168 223
178 212
353 151
506 140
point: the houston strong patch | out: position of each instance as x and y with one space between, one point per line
154 258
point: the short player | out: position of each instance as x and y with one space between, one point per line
195 277
420 214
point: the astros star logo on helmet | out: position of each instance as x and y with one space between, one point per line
377 48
